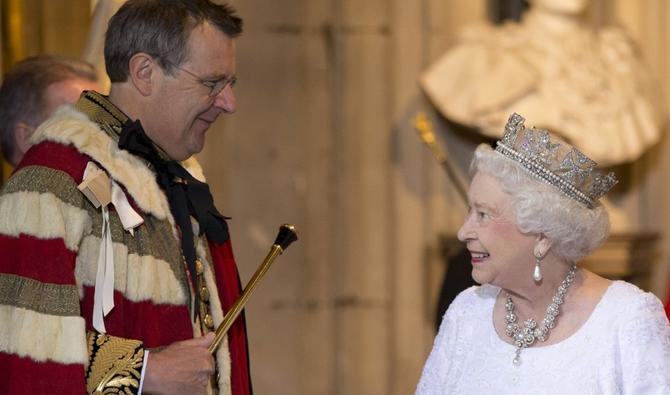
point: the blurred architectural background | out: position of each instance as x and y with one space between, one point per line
323 138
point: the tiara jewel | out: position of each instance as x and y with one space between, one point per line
554 161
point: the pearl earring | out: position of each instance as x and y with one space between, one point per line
537 273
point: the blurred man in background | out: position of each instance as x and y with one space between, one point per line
32 91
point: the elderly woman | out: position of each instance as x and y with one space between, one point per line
539 324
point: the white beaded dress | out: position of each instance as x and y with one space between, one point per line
623 348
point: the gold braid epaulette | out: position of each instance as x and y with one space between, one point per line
115 364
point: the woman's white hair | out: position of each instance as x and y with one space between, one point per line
540 208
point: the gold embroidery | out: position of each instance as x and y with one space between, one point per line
46 298
102 112
46 180
115 364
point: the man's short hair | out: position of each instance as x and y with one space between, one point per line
22 95
161 28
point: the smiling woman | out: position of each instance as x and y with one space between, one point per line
539 322
492 235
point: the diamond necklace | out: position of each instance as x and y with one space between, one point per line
525 335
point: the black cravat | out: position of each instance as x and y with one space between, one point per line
186 195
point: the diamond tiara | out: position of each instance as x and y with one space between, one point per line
554 161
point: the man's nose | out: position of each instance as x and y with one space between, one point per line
226 100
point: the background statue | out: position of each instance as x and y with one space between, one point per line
588 86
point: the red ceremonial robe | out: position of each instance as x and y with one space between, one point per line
50 237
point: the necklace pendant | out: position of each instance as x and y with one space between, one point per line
517 357
526 334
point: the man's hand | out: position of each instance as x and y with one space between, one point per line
183 367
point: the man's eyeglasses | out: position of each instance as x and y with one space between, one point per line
215 87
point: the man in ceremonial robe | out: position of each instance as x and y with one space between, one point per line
115 264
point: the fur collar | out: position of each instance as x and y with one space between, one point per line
71 127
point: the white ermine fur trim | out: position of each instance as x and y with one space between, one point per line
43 215
69 126
42 337
137 277
223 353
193 167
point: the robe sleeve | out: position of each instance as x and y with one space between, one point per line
44 347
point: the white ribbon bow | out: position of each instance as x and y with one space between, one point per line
101 191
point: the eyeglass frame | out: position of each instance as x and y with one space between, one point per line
215 87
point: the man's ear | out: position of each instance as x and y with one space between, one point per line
22 133
142 69
542 246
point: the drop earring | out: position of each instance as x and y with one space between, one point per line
537 273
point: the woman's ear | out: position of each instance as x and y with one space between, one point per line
542 246
141 70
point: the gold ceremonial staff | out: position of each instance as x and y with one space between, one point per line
287 235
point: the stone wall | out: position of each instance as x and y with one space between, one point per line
320 140
323 139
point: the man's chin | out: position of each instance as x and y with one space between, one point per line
197 137
195 147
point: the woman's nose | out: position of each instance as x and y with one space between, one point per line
465 232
